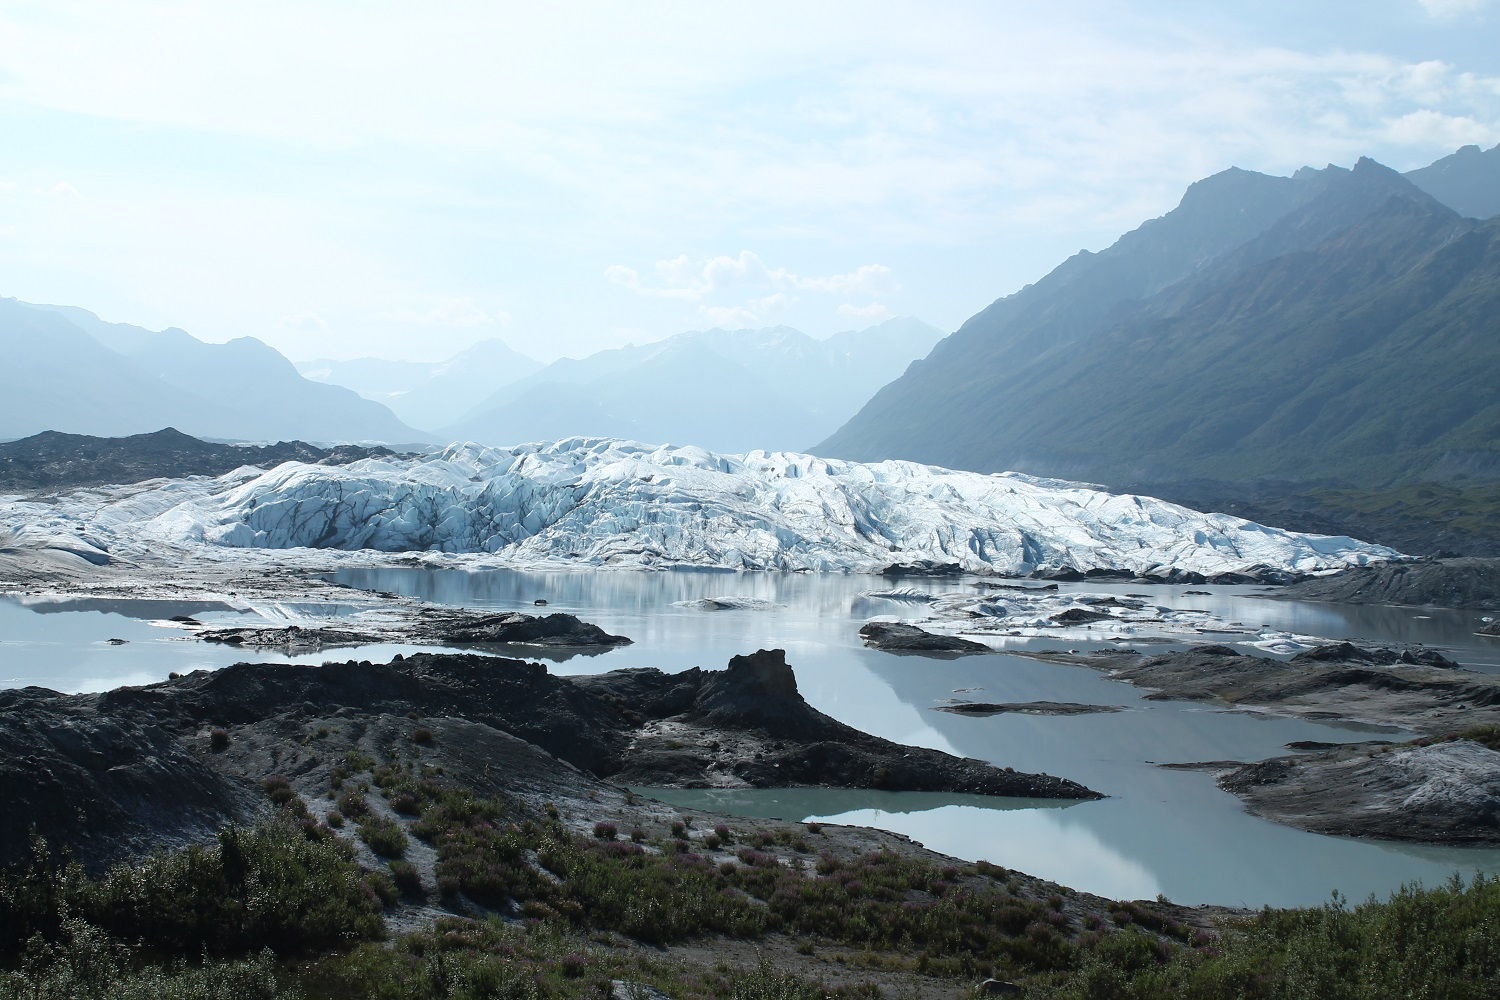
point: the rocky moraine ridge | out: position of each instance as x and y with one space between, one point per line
1448 583
1442 787
137 769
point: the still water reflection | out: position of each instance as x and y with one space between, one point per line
1160 831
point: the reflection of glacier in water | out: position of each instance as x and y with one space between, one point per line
1164 831
1035 841
1032 835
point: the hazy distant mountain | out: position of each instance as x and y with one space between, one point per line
68 370
1338 323
1467 181
728 390
428 394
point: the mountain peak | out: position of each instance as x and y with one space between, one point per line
1467 181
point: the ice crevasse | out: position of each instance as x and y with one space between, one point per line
607 502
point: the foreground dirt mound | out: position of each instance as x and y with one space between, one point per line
107 784
109 774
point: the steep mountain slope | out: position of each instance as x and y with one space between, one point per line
74 372
1352 336
424 394
56 376
1467 181
732 390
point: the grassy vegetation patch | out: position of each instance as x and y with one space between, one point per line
282 911
1441 943
285 885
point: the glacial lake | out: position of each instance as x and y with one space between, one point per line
1161 831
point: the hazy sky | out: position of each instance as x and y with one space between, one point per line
404 179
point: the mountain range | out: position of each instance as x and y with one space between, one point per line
727 390
1333 325
1467 181
68 370
428 394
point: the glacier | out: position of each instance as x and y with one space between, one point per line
601 502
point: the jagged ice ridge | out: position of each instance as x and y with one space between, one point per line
605 502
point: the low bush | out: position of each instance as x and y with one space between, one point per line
406 877
383 836
1436 943
280 885
85 963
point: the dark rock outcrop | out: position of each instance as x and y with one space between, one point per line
894 637
292 637
513 627
980 708
1436 792
1446 583
1348 652
923 567
1411 688
991 585
435 626
1079 616
111 775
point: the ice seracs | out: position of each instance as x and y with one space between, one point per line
605 502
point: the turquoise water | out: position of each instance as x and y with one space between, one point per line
1160 831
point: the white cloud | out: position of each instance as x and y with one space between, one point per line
756 312
1453 8
393 169
1428 127
305 322
727 290
693 280
872 312
451 312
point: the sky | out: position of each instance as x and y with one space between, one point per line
403 180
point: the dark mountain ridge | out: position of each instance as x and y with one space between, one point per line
1467 181
1350 337
53 460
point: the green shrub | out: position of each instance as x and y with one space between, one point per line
280 885
406 877
87 964
384 836
352 803
1433 943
